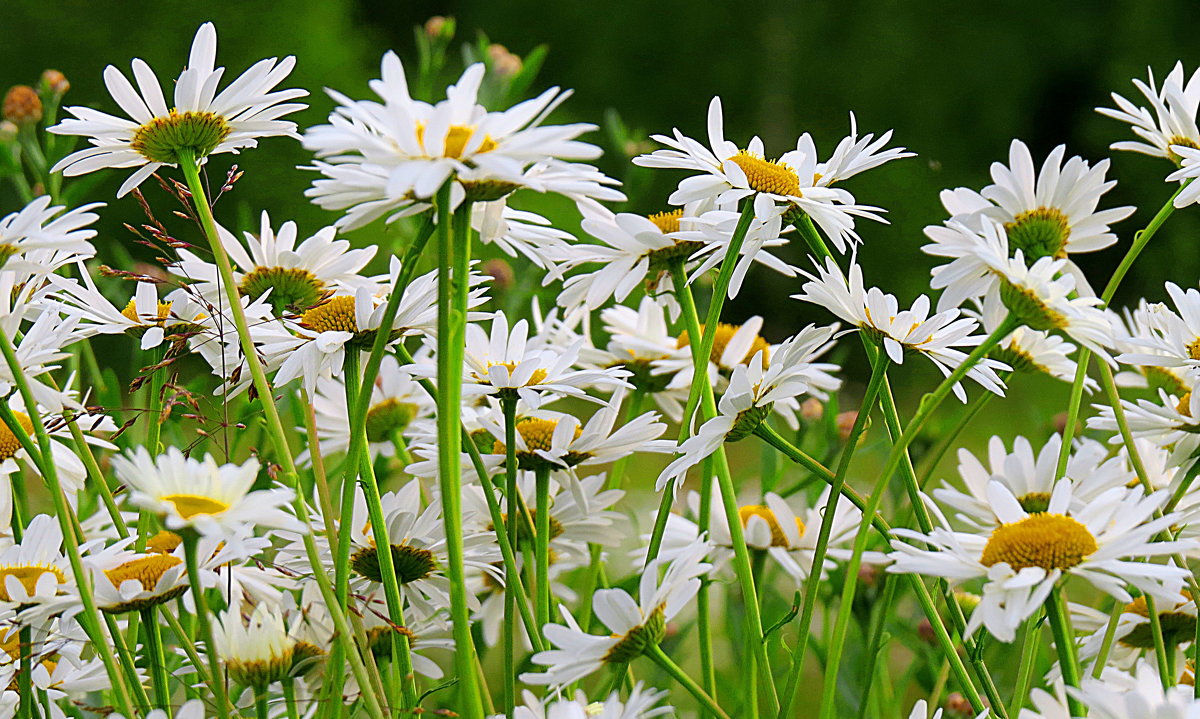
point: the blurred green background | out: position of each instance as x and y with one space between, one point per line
956 81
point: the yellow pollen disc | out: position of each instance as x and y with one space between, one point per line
1049 541
164 542
163 312
456 140
1180 140
9 444
768 176
1193 349
147 570
666 221
725 332
333 315
758 510
539 375
191 505
537 433
1040 233
1185 405
28 575
161 139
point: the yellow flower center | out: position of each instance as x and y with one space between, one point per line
163 311
538 434
164 542
161 139
192 505
667 222
1193 349
1039 233
334 315
1049 541
768 176
1185 405
9 444
1180 140
147 570
778 539
292 288
725 333
28 575
456 141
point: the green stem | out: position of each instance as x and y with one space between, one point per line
156 660
542 529
1029 645
661 659
1064 644
509 406
812 585
454 254
289 697
279 436
260 703
190 541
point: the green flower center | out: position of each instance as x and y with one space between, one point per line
387 418
291 288
1039 233
1029 308
161 139
410 563
637 640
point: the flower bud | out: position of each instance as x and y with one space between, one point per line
811 410
8 132
925 632
22 106
845 423
437 26
958 706
55 82
501 273
504 63
868 575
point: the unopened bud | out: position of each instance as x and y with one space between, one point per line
868 575
966 601
1060 422
845 423
925 632
958 706
22 106
436 25
504 63
8 132
812 410
55 82
501 273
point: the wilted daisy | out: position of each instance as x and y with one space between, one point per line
1024 556
296 276
797 179
878 314
201 495
1051 212
635 625
38 226
201 122
1171 119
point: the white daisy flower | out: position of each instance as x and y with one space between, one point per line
1171 119
1165 339
34 570
1028 350
878 314
517 232
145 317
1023 558
71 470
1117 695
201 121
1051 212
38 226
733 346
1173 423
39 347
1133 636
797 179
296 276
202 495
634 625
256 650
1189 161
642 704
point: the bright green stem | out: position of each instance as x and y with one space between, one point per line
1110 635
1160 647
1064 643
279 436
454 255
542 547
90 617
879 638
811 587
661 659
156 660
1030 639
190 541
700 355
1140 240
25 673
509 529
289 697
260 703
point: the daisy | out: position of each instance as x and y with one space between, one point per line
634 626
39 346
507 365
257 650
1171 424
38 226
753 389
559 441
34 570
1028 350
517 232
1117 695
797 179
878 314
201 122
642 704
1133 636
733 346
145 317
1047 213
70 468
1022 559
1163 342
201 495
1172 121
418 146
297 277
1189 161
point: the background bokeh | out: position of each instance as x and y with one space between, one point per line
956 81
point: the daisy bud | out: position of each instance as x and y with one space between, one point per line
55 82
925 632
8 132
1060 422
22 106
958 706
868 575
501 273
845 423
439 26
811 410
504 63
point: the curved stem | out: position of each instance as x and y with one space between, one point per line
661 659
